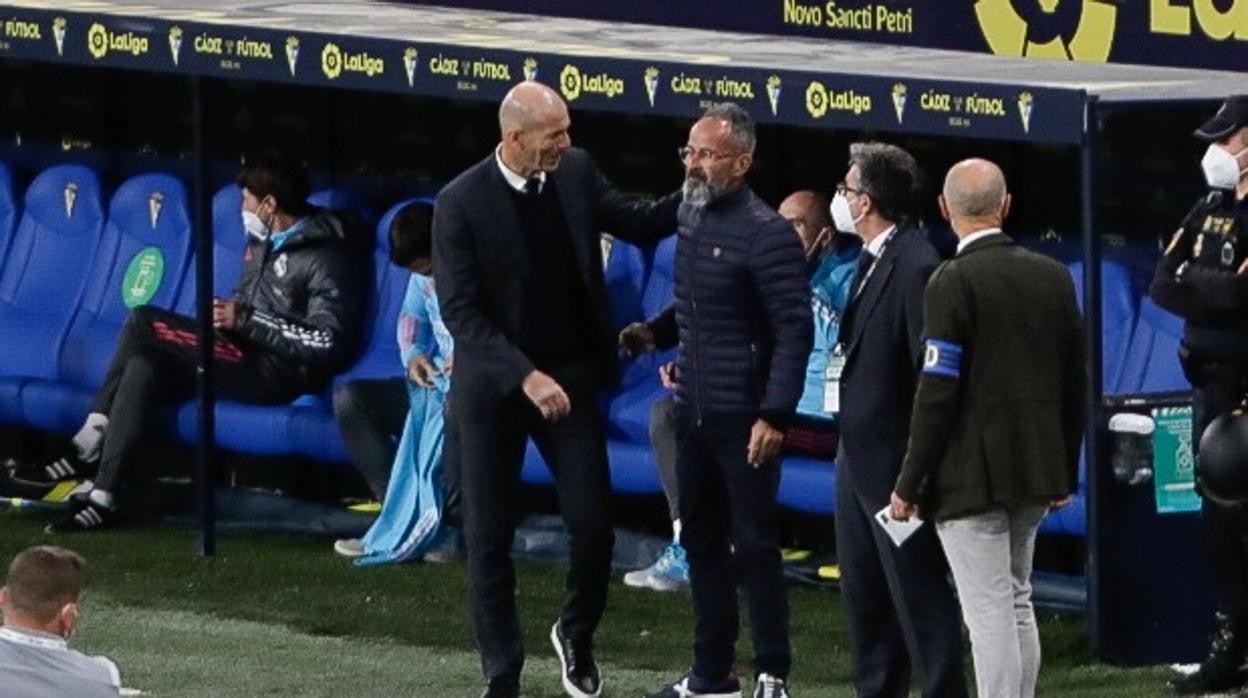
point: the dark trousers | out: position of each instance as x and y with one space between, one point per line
492 438
371 414
1219 388
729 515
156 361
901 607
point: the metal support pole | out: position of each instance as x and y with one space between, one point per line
1093 395
205 471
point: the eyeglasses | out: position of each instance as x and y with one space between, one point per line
686 152
843 189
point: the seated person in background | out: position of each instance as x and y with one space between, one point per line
374 413
832 258
292 322
40 605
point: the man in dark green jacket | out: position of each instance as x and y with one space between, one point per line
996 429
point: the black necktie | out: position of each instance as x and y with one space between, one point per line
533 186
865 260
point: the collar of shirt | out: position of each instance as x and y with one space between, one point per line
876 246
514 180
33 638
977 235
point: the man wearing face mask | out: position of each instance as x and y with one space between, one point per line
1203 277
903 616
518 267
40 602
293 322
744 327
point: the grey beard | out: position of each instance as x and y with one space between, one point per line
699 193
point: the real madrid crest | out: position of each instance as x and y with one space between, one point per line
279 265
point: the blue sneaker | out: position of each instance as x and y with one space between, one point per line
668 573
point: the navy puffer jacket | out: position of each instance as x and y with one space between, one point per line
742 310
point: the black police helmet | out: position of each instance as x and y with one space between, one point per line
1222 471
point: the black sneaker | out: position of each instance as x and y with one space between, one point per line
690 686
768 686
88 517
67 467
579 671
1222 670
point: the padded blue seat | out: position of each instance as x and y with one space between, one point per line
628 413
229 241
625 277
1152 360
312 429
44 276
10 208
807 484
148 231
1119 301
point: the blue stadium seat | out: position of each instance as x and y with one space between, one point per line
628 413
1118 309
625 277
807 484
44 275
145 250
9 210
313 431
1152 360
229 240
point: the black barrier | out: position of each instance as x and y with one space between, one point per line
800 98
1189 33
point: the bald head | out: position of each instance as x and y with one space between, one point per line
527 105
808 212
974 195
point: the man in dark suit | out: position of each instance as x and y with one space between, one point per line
902 611
519 274
998 421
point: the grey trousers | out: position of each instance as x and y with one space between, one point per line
990 555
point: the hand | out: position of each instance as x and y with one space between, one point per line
420 370
900 509
667 375
448 366
1060 502
226 314
546 395
765 441
637 339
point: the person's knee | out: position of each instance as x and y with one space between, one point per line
346 401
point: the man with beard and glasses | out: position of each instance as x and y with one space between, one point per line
518 268
743 319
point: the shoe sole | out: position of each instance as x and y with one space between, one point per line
660 584
563 669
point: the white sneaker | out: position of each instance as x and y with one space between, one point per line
349 547
670 572
768 686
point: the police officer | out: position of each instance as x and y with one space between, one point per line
1203 277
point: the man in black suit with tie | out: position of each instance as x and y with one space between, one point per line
518 270
902 610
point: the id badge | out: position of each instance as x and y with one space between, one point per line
832 381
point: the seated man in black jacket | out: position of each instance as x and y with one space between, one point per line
292 322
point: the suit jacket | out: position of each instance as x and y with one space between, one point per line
484 290
998 417
881 335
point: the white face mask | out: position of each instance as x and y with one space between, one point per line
254 226
1221 167
842 217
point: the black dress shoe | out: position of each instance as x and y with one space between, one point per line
500 687
579 671
1222 670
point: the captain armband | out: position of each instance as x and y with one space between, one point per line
942 358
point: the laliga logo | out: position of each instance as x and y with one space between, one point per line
331 61
570 82
816 99
1080 30
97 40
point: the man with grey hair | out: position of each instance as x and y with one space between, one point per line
902 612
744 329
519 276
998 421
39 601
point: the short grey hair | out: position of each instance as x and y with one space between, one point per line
975 189
741 124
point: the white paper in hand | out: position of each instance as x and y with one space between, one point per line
898 531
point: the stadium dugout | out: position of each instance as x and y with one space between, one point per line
1068 132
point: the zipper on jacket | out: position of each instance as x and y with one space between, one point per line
697 344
